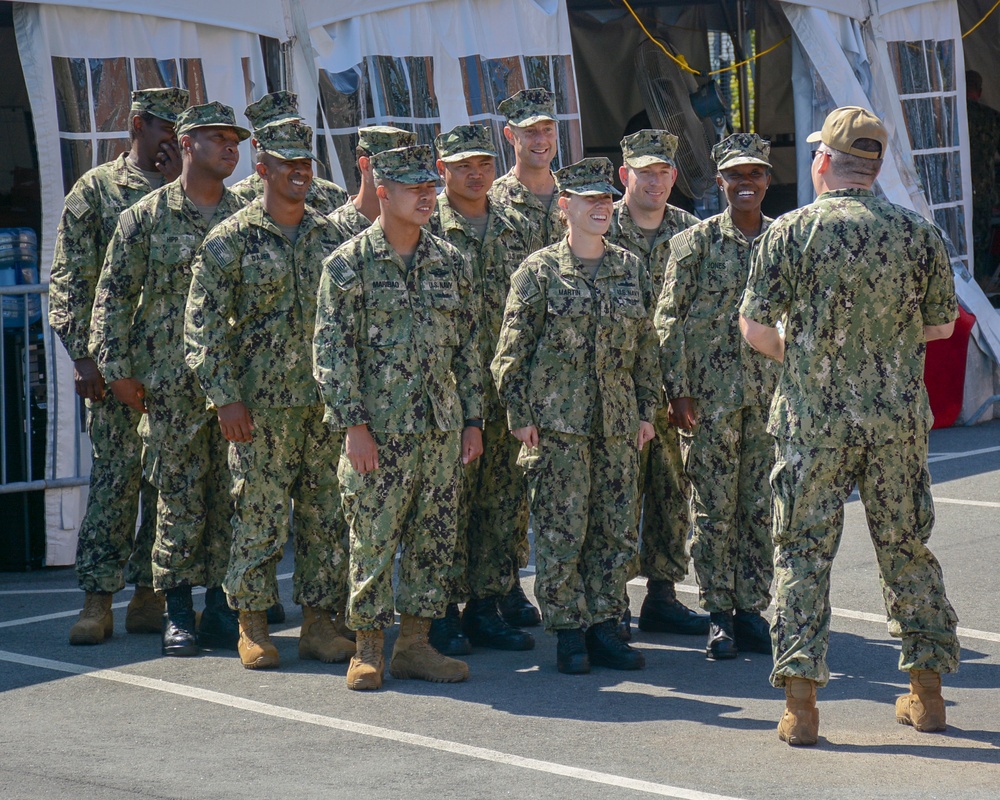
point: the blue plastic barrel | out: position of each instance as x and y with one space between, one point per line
19 267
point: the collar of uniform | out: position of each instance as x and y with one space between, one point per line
383 251
611 265
257 215
520 192
730 230
846 193
628 226
127 175
451 219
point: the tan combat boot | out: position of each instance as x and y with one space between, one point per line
414 657
368 665
340 623
257 651
145 611
320 640
96 622
923 707
799 724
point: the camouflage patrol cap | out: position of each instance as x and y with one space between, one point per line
377 138
589 176
465 141
646 147
528 106
288 140
844 126
209 115
413 164
163 103
273 107
741 148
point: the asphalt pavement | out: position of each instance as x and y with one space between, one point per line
119 721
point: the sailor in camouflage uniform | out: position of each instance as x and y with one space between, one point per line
984 143
109 550
643 223
860 285
493 518
363 209
720 389
576 367
397 359
324 195
137 339
529 186
248 331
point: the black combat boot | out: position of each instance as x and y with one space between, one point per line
662 612
606 648
721 639
220 625
625 623
571 652
482 623
275 614
178 624
752 632
516 608
446 634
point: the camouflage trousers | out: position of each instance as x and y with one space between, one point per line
292 458
583 494
728 459
492 519
663 508
810 487
187 459
410 503
109 550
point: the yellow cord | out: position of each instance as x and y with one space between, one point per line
731 67
980 21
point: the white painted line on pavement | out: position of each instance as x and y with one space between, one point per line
965 633
933 458
358 728
957 502
38 591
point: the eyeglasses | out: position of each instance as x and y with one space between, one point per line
819 153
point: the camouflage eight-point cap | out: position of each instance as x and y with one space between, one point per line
528 106
465 141
406 164
288 140
163 103
377 138
741 148
272 108
647 147
589 176
209 115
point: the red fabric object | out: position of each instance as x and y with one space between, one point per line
944 371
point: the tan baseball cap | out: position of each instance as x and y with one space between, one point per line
844 126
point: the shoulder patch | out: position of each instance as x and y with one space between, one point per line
681 246
522 284
129 223
220 251
340 271
76 205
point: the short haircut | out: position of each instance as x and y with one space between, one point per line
146 118
845 165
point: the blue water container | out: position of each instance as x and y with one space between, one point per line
19 267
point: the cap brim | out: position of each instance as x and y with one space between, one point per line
741 160
277 120
815 136
416 176
638 162
593 188
164 115
524 123
467 154
289 153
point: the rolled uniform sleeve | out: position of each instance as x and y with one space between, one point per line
117 297
524 316
939 305
209 307
339 315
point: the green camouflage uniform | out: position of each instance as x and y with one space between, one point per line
545 224
249 329
109 550
577 359
493 517
729 455
984 142
138 332
855 278
324 196
347 221
396 349
664 489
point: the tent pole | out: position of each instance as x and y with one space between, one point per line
742 75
